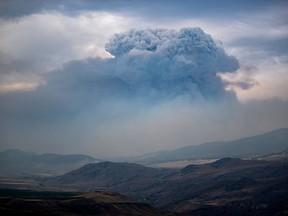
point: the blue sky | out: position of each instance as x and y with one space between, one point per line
177 73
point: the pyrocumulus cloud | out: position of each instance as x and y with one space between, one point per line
171 63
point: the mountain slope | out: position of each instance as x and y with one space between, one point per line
268 143
19 163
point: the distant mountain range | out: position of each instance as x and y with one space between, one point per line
268 143
18 163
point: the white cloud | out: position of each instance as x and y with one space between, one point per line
34 45
18 86
271 80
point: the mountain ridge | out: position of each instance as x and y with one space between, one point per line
271 142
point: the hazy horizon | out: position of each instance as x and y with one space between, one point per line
112 79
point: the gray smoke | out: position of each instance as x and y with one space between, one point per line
169 62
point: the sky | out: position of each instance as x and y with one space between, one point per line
127 77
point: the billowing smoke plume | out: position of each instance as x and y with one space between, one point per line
171 63
153 65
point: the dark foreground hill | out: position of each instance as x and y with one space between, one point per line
229 186
268 143
19 163
17 202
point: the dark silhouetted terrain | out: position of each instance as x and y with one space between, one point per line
17 202
229 186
